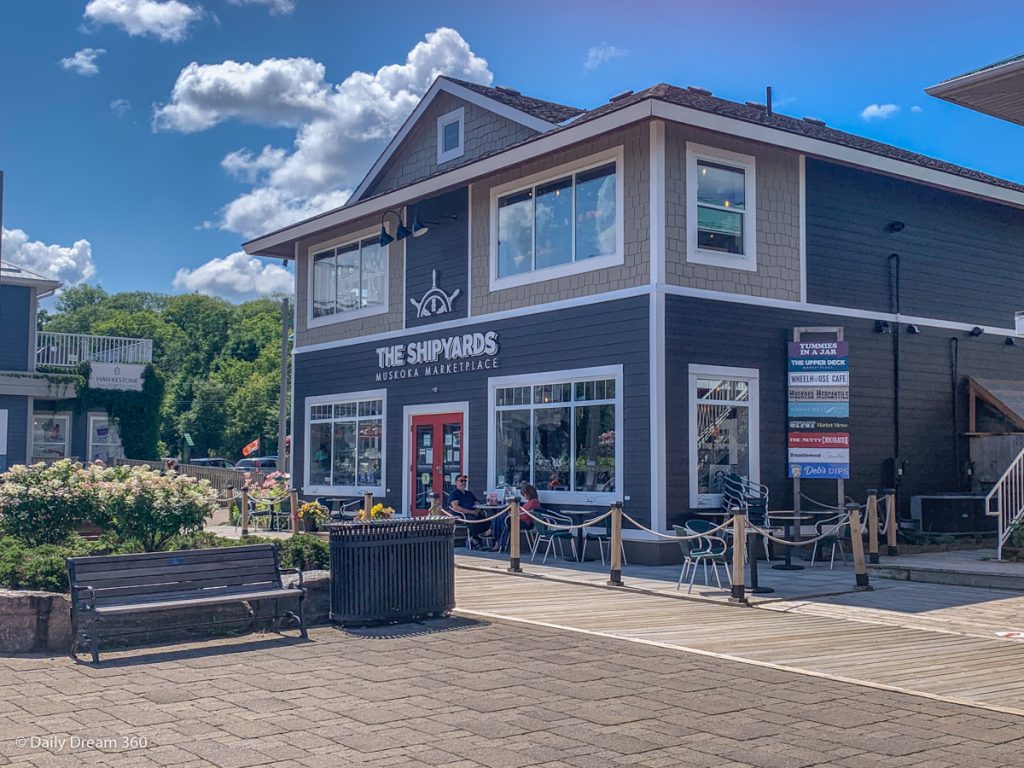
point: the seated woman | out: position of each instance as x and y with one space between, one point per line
501 526
463 502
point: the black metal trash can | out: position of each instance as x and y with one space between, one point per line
392 570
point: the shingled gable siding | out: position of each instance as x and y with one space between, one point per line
347 329
416 158
778 218
960 258
614 333
635 269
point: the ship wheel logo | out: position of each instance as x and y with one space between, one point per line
435 301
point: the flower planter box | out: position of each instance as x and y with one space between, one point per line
392 570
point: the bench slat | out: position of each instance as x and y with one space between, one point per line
141 591
165 605
240 550
161 559
128 574
226 571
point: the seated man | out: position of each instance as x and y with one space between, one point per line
463 502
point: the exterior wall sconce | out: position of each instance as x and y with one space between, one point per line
976 331
913 329
422 226
883 326
1010 341
400 234
895 226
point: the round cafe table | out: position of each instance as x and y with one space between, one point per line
792 521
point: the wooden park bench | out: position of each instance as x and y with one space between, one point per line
117 585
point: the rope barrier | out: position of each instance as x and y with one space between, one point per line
560 527
676 537
829 506
802 542
460 516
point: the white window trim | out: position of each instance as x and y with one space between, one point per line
347 490
549 377
615 154
355 314
751 376
695 255
67 432
408 412
1018 323
459 116
90 444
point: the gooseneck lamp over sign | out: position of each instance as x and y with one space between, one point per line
401 232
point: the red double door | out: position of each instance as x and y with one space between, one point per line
438 457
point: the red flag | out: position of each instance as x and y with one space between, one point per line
251 447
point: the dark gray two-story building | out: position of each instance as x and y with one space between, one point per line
600 302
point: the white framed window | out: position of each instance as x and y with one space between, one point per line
451 134
724 429
721 208
51 436
104 439
345 443
348 281
561 222
560 432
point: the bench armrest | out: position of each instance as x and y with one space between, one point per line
89 602
292 570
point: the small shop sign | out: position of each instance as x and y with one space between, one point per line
438 357
122 376
818 434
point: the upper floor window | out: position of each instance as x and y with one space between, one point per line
451 133
349 278
720 208
563 223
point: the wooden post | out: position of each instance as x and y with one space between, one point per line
367 505
890 520
513 537
872 525
244 513
739 537
615 553
294 501
860 568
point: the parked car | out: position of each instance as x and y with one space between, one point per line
262 464
212 462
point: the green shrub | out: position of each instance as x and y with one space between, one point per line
42 504
41 567
305 552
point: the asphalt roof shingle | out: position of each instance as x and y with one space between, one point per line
545 110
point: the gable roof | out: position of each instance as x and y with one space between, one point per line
12 274
694 106
995 89
541 116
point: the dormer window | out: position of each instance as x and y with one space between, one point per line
451 135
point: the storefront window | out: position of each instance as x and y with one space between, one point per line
104 440
345 444
723 430
559 436
50 435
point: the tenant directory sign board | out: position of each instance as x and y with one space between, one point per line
819 409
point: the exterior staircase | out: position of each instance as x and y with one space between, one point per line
1006 500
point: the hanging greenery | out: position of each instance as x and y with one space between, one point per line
137 413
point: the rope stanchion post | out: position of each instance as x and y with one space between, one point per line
615 553
244 513
860 568
367 503
294 502
513 537
739 537
872 525
890 521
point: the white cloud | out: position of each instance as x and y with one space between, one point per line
69 264
915 109
163 19
276 7
236 277
83 62
879 111
602 53
340 129
120 107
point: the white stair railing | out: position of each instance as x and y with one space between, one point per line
1006 500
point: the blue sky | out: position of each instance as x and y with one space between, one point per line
144 140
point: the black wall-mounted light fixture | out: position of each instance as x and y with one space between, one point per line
883 326
895 226
401 232
422 226
1010 341
913 329
976 331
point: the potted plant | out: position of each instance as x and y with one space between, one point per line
312 515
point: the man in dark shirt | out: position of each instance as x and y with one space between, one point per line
463 502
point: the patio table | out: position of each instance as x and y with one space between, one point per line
578 516
788 518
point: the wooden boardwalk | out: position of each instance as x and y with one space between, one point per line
823 638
